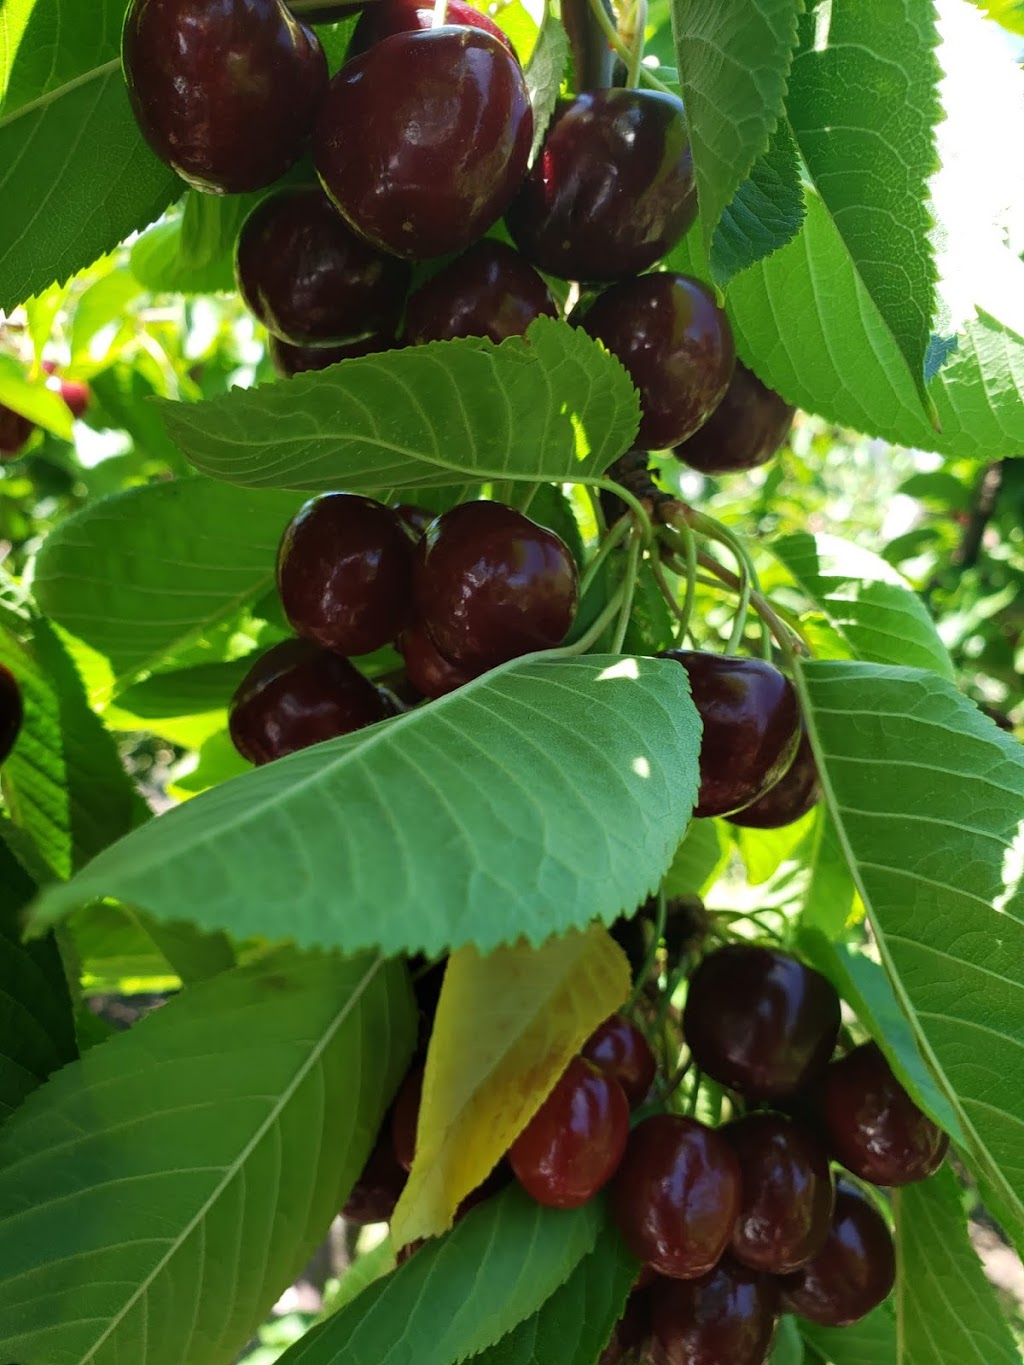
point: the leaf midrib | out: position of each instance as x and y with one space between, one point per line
58 92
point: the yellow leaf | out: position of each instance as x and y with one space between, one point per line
507 1026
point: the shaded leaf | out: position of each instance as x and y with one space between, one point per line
872 1341
765 213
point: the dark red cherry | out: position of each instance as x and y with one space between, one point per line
491 585
744 431
224 91
874 1127
676 344
759 1021
429 672
373 1197
787 1194
795 793
631 1333
309 279
296 695
572 1146
619 1049
677 1195
612 190
344 572
384 18
727 1317
74 392
405 1116
291 360
751 727
14 432
490 291
854 1270
11 712
443 129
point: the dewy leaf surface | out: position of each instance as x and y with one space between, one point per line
928 800
159 1194
582 770
946 1310
551 407
507 1026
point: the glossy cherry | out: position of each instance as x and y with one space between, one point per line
676 344
490 291
309 279
727 1317
344 573
759 1021
854 1270
875 1129
745 430
795 793
619 1049
383 18
14 432
572 1146
224 91
612 190
787 1193
373 1197
751 723
296 695
405 1116
429 671
433 165
11 712
491 585
676 1196
291 360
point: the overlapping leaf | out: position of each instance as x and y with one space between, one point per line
544 72
764 214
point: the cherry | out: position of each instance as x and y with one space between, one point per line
14 432
795 793
787 1199
491 585
751 727
759 1021
632 1331
291 360
677 1195
373 1197
296 695
744 431
728 1315
572 1146
344 572
874 1127
488 292
677 346
612 190
619 1049
854 1270
226 92
444 128
309 279
429 672
405 1116
11 712
384 18
74 392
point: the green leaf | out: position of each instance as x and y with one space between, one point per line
33 399
1009 13
158 1195
872 1341
187 705
574 1325
552 406
699 860
544 72
870 158
764 214
765 850
583 770
103 303
927 795
873 607
194 252
788 1347
141 574
76 176
830 894
946 1310
457 1296
734 59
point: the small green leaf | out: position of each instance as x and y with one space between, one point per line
551 406
544 72
764 214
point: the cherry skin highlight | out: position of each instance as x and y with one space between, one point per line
572 1146
290 360
490 291
676 1196
728 1315
751 727
438 161
619 1049
11 712
491 585
344 573
429 671
875 1129
297 694
759 1021
309 279
612 190
790 798
384 18
224 91
854 1270
744 431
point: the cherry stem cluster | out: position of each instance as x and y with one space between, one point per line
610 31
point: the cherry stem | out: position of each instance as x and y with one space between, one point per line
788 637
440 17
729 918
639 510
590 637
614 537
673 1082
595 506
609 30
636 39
652 951
628 589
